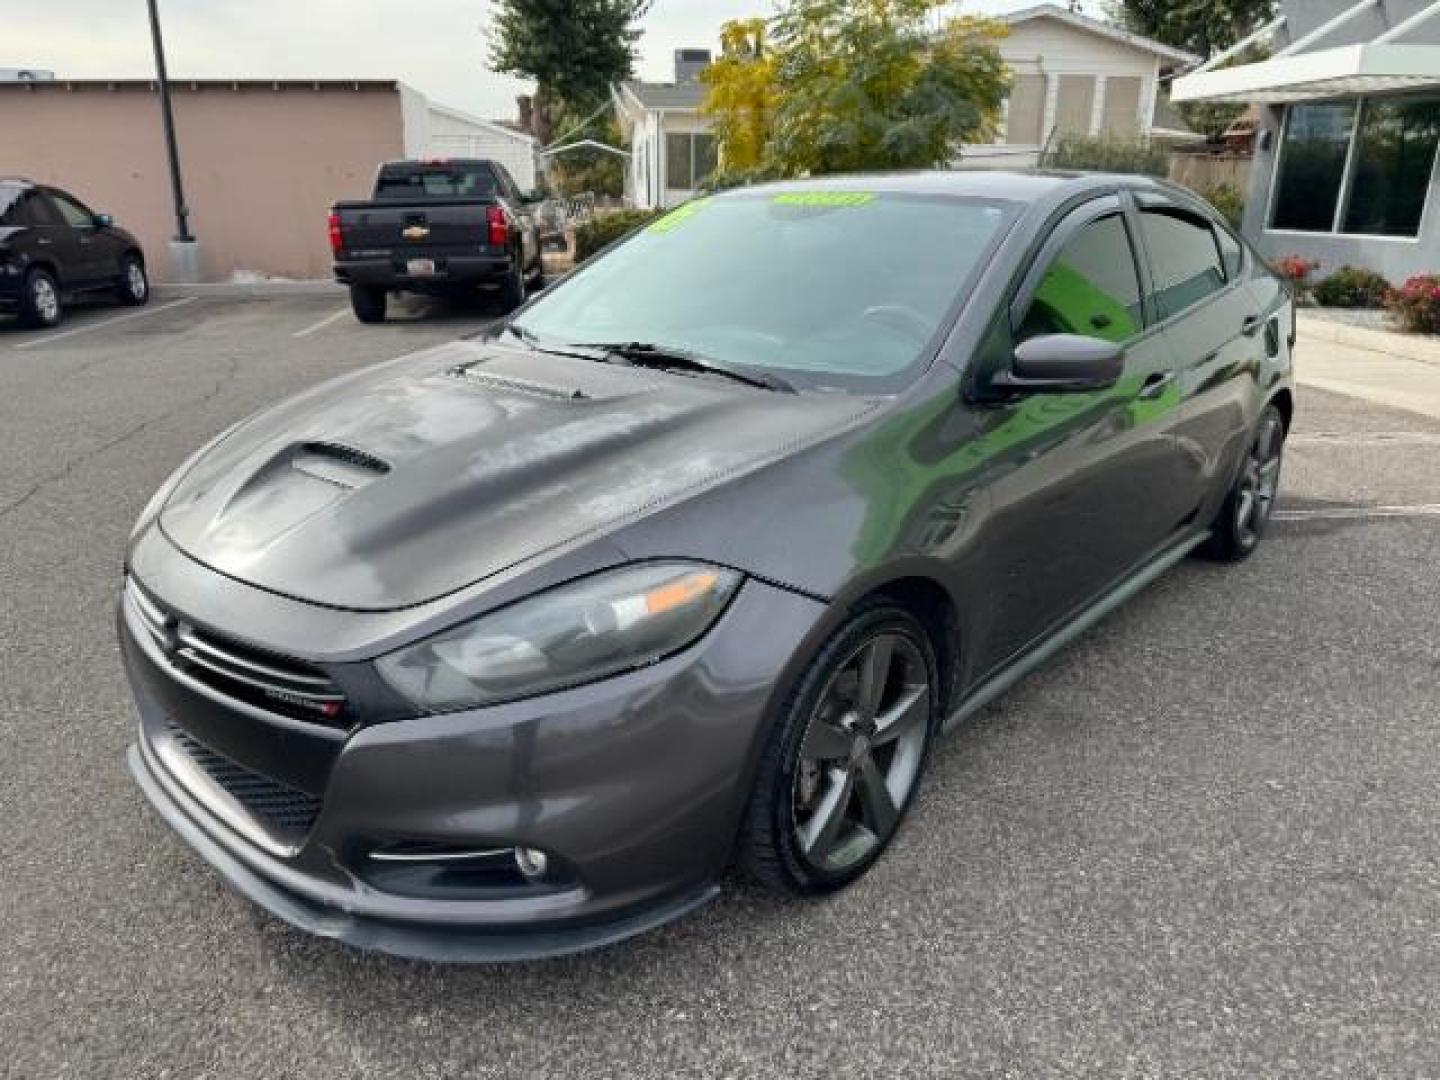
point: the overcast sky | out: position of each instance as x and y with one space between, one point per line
438 46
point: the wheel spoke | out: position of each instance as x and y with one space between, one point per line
910 712
877 808
822 830
1245 509
824 742
874 673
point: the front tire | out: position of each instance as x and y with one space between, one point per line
1240 525
845 756
40 304
369 303
133 288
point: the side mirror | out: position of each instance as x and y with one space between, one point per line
103 221
1063 363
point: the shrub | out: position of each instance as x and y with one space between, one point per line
1352 287
1229 200
1416 304
604 229
1296 269
1109 155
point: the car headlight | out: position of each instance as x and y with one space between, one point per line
589 629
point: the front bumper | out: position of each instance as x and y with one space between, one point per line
637 783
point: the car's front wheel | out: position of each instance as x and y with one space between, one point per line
133 288
40 302
845 756
1240 525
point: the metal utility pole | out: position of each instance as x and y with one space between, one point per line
182 212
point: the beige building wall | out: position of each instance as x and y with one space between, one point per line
262 161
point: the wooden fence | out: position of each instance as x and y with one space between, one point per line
1205 171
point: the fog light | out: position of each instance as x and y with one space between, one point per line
531 862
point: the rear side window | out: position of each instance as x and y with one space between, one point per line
1091 288
9 199
26 211
438 181
1184 258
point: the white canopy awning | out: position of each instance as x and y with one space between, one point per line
1353 69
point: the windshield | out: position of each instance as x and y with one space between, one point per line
829 290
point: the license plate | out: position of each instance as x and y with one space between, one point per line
420 267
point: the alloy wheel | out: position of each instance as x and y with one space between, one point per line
46 299
135 280
861 753
1260 481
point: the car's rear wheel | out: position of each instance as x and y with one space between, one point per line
133 287
369 303
1241 523
845 757
40 304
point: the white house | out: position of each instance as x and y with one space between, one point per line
433 130
1074 75
671 146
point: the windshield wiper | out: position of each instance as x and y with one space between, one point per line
668 357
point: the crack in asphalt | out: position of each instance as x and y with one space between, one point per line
232 368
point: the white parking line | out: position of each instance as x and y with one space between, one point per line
1359 513
50 338
322 323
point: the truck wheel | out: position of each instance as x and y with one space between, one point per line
369 303
512 293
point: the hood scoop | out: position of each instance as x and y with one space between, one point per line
343 466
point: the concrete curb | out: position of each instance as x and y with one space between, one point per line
1421 347
257 290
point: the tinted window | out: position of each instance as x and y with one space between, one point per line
28 211
1183 257
828 289
1312 165
1091 288
1394 156
75 215
439 181
9 197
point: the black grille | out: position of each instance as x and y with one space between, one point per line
263 680
287 812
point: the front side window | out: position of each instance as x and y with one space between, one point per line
836 290
1312 166
1091 288
1393 158
1184 258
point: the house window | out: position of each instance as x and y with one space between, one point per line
1358 167
1121 115
1074 103
1026 113
689 159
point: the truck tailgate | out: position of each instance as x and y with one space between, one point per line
406 230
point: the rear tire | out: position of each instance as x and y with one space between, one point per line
40 305
845 756
133 288
512 292
1240 525
369 303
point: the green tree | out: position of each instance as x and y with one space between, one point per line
844 85
1204 27
573 49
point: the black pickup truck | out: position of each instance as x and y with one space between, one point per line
436 226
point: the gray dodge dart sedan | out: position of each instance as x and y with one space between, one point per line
513 647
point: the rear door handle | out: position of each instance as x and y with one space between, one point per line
1155 385
1252 325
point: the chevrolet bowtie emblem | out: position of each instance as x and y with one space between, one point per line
416 232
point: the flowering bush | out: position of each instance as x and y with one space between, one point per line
1353 287
1296 269
1416 304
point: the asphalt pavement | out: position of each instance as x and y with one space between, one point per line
1202 842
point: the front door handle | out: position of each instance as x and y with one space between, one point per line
1155 385
1252 325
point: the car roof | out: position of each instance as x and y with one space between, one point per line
1011 185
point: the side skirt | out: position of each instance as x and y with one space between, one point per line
1063 635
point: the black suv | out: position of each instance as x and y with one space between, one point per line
52 247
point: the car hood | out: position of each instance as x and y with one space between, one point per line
399 485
